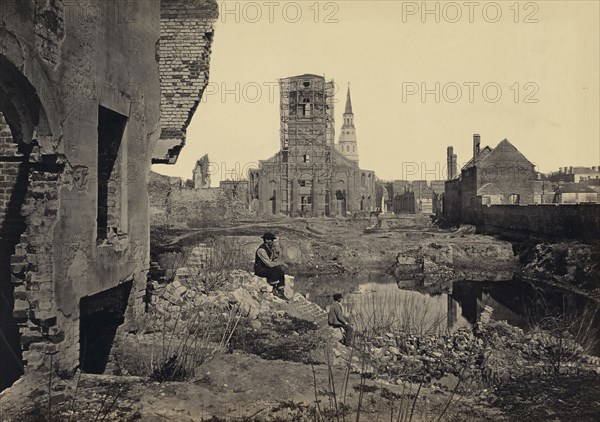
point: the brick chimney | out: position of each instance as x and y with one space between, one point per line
451 163
476 146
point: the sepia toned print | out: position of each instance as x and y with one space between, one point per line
299 210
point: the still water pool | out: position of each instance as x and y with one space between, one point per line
375 300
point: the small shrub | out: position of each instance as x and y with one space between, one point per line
172 352
172 369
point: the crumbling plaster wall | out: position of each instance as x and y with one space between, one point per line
75 57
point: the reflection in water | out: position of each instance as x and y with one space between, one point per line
375 299
525 305
519 302
387 306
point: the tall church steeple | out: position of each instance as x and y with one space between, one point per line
347 142
348 102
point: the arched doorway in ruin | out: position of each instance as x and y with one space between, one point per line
23 126
12 225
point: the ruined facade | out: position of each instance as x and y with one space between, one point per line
81 94
235 189
418 197
498 191
498 176
310 176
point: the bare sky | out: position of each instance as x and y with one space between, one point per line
421 80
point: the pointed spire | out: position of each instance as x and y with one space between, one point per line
348 102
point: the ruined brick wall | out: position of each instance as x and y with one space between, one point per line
184 53
203 207
11 224
59 68
549 222
185 205
10 164
33 270
453 201
159 189
469 182
175 205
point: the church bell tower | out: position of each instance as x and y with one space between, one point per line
347 141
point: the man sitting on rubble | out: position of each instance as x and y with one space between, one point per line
338 319
268 264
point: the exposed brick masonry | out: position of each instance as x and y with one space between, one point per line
185 45
11 227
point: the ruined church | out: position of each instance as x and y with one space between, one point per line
312 175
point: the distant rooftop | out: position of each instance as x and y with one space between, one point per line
575 188
306 75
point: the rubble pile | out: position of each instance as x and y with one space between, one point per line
425 358
185 296
490 353
185 325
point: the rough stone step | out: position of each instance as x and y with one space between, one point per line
302 308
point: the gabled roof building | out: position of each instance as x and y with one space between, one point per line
494 176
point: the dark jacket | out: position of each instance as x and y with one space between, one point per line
260 267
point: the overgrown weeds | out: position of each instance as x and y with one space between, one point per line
396 311
206 267
172 351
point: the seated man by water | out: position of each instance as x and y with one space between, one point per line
268 264
338 319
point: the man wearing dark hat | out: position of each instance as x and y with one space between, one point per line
268 264
338 319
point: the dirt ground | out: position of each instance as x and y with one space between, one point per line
244 387
236 387
333 246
